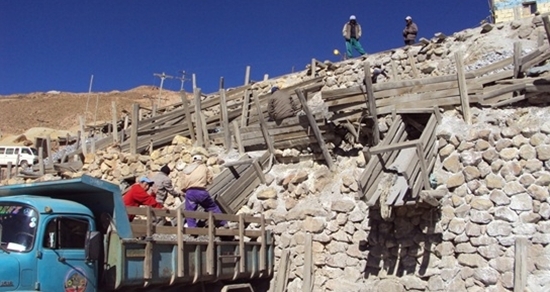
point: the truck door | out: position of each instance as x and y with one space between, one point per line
62 265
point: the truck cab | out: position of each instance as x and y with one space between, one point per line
75 235
41 237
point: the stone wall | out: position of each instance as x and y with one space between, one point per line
497 173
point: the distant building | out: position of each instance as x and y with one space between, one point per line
506 10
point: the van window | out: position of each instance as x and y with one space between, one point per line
26 151
2 150
16 151
9 151
34 151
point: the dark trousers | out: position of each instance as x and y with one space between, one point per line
199 197
409 42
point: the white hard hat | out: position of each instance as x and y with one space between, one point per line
408 18
352 17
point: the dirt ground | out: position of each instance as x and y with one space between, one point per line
60 111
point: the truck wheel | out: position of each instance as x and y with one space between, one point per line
24 164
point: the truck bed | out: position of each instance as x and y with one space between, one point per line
166 255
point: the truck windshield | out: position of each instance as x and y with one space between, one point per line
18 224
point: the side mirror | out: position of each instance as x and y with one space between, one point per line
93 245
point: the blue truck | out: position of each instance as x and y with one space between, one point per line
75 235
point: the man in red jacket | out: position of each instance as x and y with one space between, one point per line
138 195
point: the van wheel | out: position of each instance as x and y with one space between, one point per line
24 164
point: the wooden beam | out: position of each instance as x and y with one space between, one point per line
263 125
224 121
281 279
134 129
247 76
307 285
393 146
198 123
463 89
371 104
238 139
245 108
520 265
315 129
187 112
546 27
114 122
259 171
517 59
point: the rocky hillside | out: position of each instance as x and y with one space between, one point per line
496 172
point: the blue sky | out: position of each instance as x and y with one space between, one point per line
58 44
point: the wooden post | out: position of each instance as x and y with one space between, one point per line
517 59
205 131
83 135
224 120
266 77
115 122
307 285
315 128
238 139
313 68
259 171
9 170
134 129
126 122
463 89
198 123
546 27
41 160
194 79
154 110
394 73
281 279
263 124
245 109
49 150
247 76
520 265
413 64
187 112
371 104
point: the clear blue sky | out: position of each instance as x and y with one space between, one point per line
59 44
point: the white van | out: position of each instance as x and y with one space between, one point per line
27 155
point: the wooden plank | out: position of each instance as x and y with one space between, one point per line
517 59
509 101
263 125
500 90
393 147
225 121
520 264
259 171
187 112
148 261
134 129
463 88
394 73
237 134
114 122
493 67
245 109
281 280
181 245
371 104
487 79
204 130
315 129
242 251
307 285
198 123
546 23
210 249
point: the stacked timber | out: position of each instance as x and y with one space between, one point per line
400 165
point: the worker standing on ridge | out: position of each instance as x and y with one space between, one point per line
138 195
196 176
352 33
410 31
281 105
163 185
